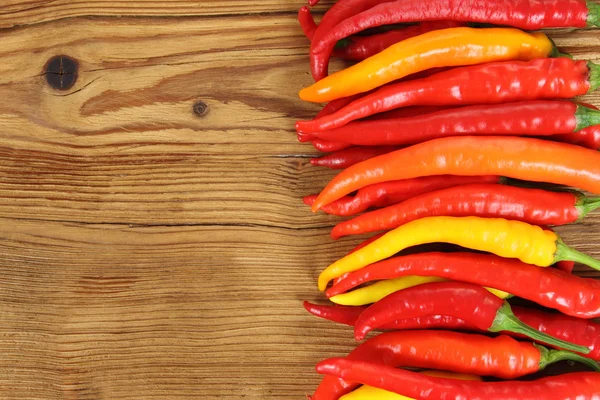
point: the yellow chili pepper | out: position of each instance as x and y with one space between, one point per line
441 48
377 291
371 393
511 239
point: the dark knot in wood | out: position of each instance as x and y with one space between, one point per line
200 108
61 72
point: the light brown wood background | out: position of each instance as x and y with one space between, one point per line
147 252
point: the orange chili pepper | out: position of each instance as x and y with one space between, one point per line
442 48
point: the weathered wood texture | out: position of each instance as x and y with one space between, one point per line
146 251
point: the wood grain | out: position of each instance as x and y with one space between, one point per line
147 251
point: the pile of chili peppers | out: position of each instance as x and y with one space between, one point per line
461 144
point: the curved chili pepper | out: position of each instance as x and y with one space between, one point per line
578 385
510 239
359 48
392 192
436 49
340 11
348 315
500 82
534 206
473 304
572 295
525 14
353 155
465 353
520 158
371 393
531 118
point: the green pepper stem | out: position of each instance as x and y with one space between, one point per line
507 321
593 18
566 253
555 53
594 77
585 205
552 356
586 117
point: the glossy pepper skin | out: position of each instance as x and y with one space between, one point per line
572 295
520 158
392 192
327 146
359 48
470 303
510 239
534 206
530 118
574 330
499 82
524 14
501 357
345 158
437 49
348 315
573 386
370 393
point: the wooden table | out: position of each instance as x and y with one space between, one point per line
153 244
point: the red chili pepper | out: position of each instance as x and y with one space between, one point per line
348 315
325 146
572 295
566 266
500 82
525 14
392 192
578 385
574 330
535 206
520 158
501 357
361 47
528 118
588 137
340 11
353 155
471 303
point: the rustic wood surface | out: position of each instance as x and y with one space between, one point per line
148 251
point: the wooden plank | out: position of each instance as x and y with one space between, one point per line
25 12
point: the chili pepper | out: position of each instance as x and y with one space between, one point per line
571 329
371 393
531 118
502 357
588 137
377 291
525 14
535 206
520 158
468 302
361 47
441 48
344 158
572 295
510 239
348 315
325 146
577 385
500 82
340 11
392 192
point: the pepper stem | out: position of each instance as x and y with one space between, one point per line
586 117
566 253
555 53
585 205
507 321
552 356
594 77
593 18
